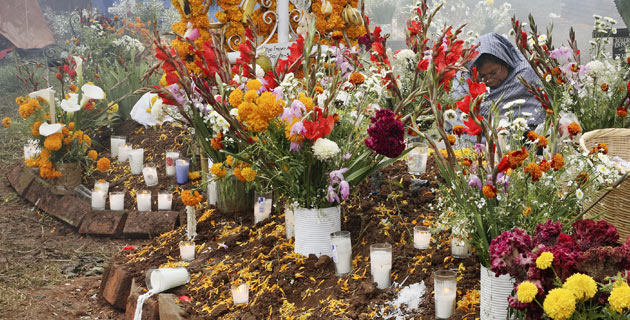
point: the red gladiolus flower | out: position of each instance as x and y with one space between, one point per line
464 105
322 126
504 165
476 88
472 128
423 65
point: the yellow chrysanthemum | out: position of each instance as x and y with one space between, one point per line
620 298
582 286
526 292
92 154
250 96
194 175
248 174
544 260
218 170
254 85
236 98
559 304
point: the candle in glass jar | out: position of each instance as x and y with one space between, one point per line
116 201
381 264
31 149
181 170
102 185
136 160
187 250
123 152
421 237
262 207
98 199
171 157
460 247
150 174
165 200
144 200
342 252
445 291
240 293
115 142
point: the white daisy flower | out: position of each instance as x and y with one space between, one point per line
450 115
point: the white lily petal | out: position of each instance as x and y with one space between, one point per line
48 129
44 94
93 92
71 104
79 69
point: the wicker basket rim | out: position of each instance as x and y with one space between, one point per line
608 132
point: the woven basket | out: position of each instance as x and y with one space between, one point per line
615 206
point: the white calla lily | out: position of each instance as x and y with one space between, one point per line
71 104
79 69
48 129
91 92
45 94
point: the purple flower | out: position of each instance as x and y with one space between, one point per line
474 181
331 195
278 91
503 179
387 134
295 147
479 148
344 187
294 111
346 156
562 54
337 175
297 128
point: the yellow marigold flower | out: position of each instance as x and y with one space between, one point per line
191 198
526 292
112 108
559 304
238 174
54 141
248 174
229 160
236 98
544 260
620 298
254 85
32 162
92 154
28 108
194 175
250 96
6 122
87 140
103 164
218 170
582 286
308 102
71 126
19 100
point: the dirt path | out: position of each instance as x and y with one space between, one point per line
47 270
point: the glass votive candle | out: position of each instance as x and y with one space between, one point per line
144 200
240 293
30 149
417 159
262 206
181 170
289 222
165 200
460 247
99 198
171 156
150 174
101 185
445 291
123 151
116 201
159 280
187 250
421 237
136 160
115 142
341 252
381 264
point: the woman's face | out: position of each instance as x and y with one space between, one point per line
493 73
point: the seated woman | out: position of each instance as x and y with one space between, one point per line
499 65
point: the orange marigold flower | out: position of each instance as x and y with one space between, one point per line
238 174
534 171
544 165
32 162
582 178
337 35
35 128
229 160
458 130
542 142
602 147
451 139
622 112
71 126
191 198
532 135
574 129
254 85
604 87
319 89
92 154
73 88
215 143
194 175
28 108
356 78
466 162
236 98
6 122
54 141
218 170
527 210
516 157
248 174
557 161
103 164
489 191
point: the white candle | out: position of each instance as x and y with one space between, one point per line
460 247
150 175
115 142
187 250
159 280
240 294
381 264
144 200
171 156
283 20
421 237
117 201
136 160
417 160
342 252
444 303
98 199
30 149
102 186
262 207
289 223
165 200
123 152
52 105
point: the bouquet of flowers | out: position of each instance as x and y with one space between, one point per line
597 92
583 274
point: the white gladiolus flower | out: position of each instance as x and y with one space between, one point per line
48 129
325 149
71 104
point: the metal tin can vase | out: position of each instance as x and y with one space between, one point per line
313 228
494 295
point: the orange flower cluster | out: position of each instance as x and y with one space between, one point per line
557 162
451 139
54 141
198 17
356 78
218 170
215 143
534 171
191 198
600 147
516 157
6 122
622 112
458 130
527 210
542 140
47 171
333 21
254 111
103 164
28 106
574 129
544 165
489 191
92 154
